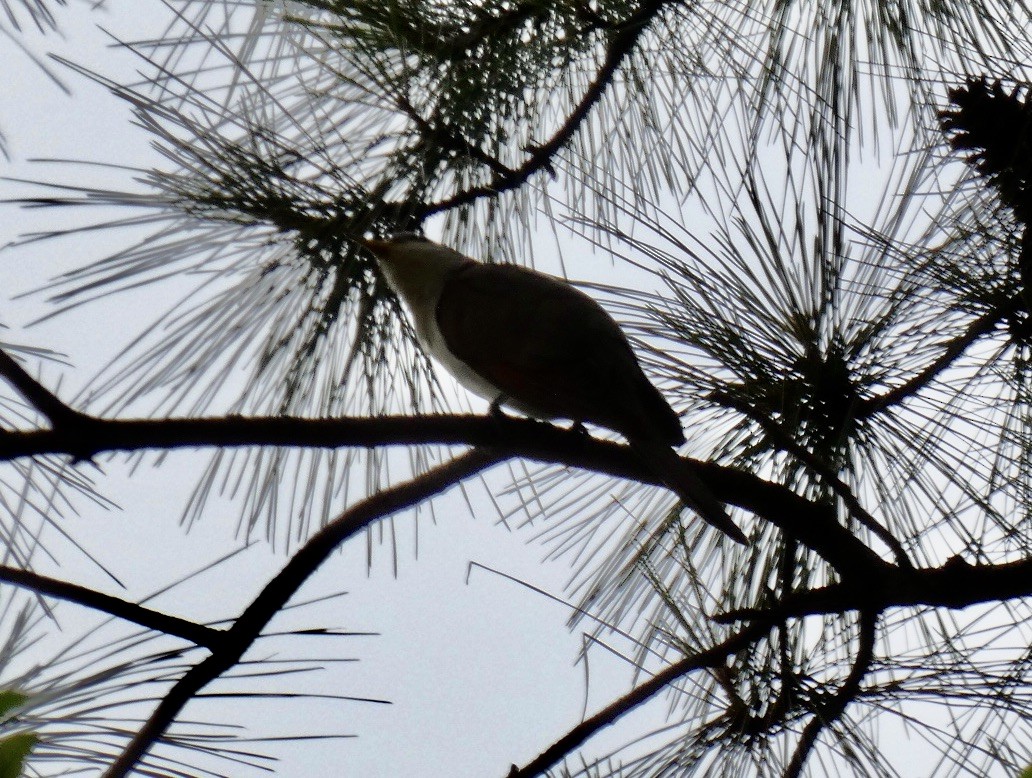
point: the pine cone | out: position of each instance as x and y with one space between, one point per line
995 126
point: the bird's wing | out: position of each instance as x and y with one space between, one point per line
550 348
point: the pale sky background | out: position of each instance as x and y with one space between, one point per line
482 672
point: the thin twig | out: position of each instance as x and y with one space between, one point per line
56 411
954 585
620 46
199 634
450 139
983 325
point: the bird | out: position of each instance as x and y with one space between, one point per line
537 344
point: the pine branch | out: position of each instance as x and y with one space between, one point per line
38 396
813 525
74 428
712 657
850 500
955 585
450 139
122 609
621 45
983 325
247 628
831 710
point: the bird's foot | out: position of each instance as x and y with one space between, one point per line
495 409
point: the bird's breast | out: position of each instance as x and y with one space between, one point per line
430 337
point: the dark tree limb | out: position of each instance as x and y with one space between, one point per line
247 628
621 43
712 657
983 325
813 525
122 609
785 441
955 585
83 437
868 583
75 428
829 711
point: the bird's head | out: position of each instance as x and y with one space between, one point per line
415 267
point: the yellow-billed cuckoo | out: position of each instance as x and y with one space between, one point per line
535 343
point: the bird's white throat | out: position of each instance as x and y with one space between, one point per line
417 275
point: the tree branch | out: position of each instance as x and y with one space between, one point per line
830 710
983 325
955 585
813 525
622 43
280 589
129 611
785 441
450 139
75 428
711 657
56 411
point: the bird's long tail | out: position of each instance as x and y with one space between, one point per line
668 467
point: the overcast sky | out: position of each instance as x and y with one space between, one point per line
481 672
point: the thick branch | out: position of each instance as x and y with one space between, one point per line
129 611
813 525
954 585
280 589
852 503
75 429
